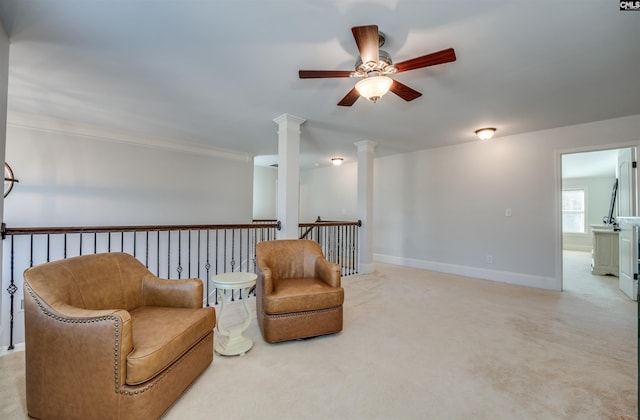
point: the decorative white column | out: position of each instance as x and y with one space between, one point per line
365 205
288 174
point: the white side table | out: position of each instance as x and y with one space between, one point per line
232 342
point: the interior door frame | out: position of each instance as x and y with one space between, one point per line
558 195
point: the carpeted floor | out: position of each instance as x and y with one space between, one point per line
425 345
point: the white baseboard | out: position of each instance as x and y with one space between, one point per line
4 350
584 248
365 268
520 279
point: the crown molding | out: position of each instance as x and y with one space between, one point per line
47 125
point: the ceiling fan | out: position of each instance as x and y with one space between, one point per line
374 65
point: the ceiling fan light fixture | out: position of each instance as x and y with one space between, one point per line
485 133
337 161
374 88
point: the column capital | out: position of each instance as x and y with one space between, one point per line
286 118
365 145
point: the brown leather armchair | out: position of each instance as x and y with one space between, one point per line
298 293
106 339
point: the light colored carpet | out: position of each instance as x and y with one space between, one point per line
424 345
577 278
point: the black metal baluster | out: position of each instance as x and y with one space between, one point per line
240 254
357 257
340 245
217 258
189 254
168 253
30 249
146 250
197 256
179 268
12 289
355 248
225 251
208 266
233 262
352 233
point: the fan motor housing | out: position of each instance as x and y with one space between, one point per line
383 66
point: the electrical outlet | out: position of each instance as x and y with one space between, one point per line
507 212
489 259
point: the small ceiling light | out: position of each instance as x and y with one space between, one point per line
337 161
485 133
374 87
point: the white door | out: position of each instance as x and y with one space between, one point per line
628 249
628 239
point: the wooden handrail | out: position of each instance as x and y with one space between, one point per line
320 222
98 229
331 223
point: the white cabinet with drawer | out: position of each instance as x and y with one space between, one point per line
605 251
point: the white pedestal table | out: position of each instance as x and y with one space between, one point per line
231 342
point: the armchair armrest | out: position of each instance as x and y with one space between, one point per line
185 293
265 278
65 340
328 272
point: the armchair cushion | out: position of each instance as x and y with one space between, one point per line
302 294
160 336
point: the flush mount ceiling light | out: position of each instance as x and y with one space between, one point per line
374 87
337 161
485 133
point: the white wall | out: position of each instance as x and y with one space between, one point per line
329 192
444 209
265 189
598 199
68 180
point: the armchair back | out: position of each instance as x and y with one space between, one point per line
91 283
288 259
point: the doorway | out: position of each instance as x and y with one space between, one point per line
588 181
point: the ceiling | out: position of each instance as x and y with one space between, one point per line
216 73
597 164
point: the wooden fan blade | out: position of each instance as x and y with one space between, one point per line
440 57
350 98
321 74
367 40
404 91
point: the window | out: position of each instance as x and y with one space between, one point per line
573 218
